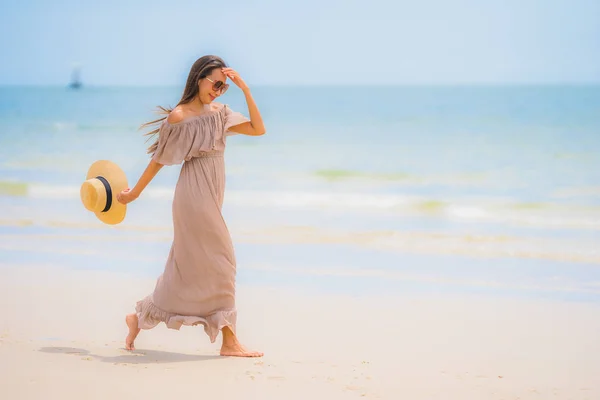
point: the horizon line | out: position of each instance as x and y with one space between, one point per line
313 85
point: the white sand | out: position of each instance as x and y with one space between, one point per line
62 331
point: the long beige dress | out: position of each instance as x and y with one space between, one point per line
198 283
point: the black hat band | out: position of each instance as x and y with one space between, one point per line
108 193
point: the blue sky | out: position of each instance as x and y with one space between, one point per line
303 42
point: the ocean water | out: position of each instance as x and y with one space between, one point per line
493 189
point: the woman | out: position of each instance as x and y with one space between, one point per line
198 283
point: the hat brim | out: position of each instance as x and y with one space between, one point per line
118 181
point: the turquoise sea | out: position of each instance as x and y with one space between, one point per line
487 189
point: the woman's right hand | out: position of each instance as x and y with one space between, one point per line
126 196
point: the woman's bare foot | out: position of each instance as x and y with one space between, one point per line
132 324
238 351
233 348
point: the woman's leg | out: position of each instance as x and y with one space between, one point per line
232 347
132 324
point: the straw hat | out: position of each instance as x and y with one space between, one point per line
104 181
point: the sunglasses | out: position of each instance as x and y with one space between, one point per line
218 85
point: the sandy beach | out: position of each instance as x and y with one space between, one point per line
418 223
62 331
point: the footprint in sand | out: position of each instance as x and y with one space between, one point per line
353 387
253 372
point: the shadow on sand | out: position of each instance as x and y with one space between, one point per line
133 357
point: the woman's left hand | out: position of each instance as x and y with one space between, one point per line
126 196
235 78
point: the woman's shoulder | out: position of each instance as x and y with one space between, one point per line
182 114
177 115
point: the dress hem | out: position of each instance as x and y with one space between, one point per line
149 316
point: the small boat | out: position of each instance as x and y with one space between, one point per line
75 78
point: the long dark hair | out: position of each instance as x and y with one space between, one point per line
200 69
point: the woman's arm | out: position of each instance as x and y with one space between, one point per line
128 195
255 127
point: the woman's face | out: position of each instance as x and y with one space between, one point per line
212 86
